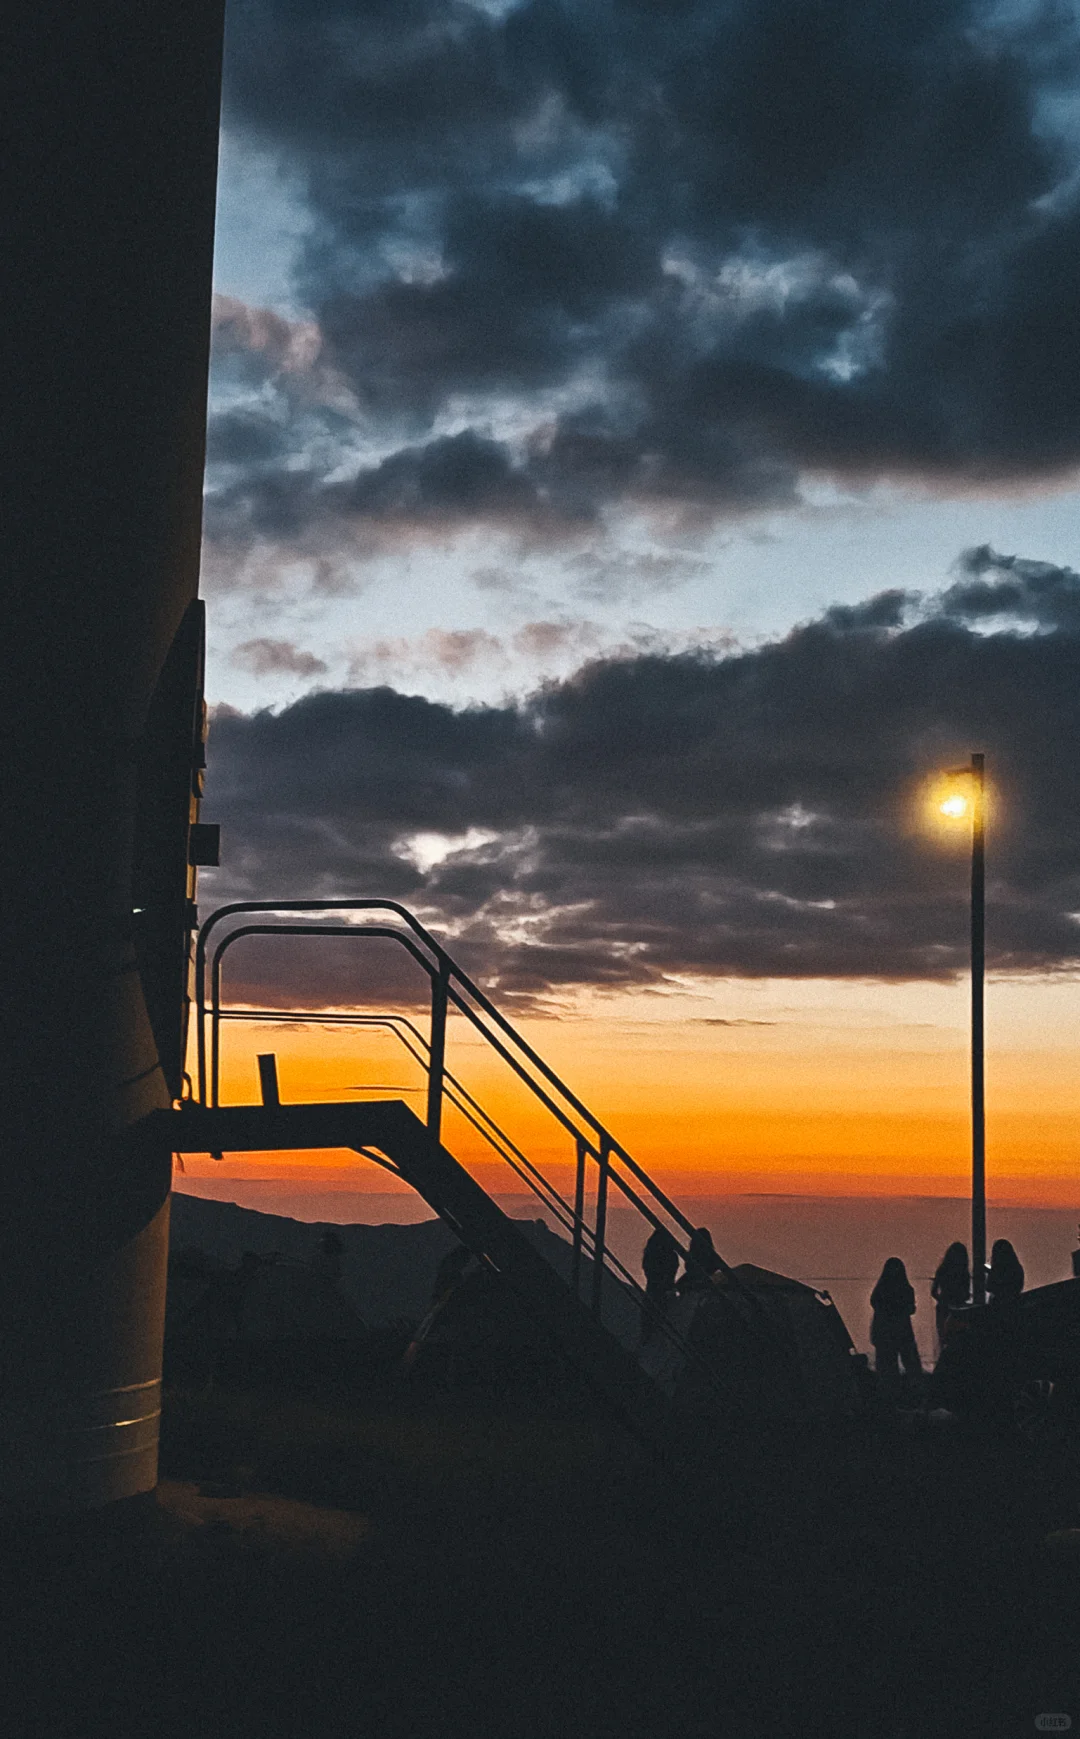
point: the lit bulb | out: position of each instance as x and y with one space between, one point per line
954 807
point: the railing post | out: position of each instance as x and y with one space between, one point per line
601 1226
437 1051
215 1044
268 1081
579 1217
200 1014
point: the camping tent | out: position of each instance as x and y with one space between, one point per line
756 1345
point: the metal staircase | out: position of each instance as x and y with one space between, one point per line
572 1309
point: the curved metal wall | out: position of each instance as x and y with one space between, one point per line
108 218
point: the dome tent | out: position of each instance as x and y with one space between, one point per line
766 1346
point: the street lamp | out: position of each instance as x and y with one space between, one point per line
957 806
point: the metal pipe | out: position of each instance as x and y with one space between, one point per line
437 1052
978 1049
579 1216
351 930
600 1233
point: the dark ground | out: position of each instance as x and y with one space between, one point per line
482 1567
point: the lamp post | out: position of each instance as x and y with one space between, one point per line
957 807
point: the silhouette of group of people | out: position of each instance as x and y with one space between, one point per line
892 1332
660 1266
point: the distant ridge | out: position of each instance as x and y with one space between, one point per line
387 1272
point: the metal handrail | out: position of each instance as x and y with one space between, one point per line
450 968
451 985
416 1045
435 1086
600 1152
436 1078
412 1039
581 1233
281 930
476 1115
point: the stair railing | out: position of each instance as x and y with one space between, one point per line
413 1042
451 986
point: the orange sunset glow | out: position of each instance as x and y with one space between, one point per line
824 1088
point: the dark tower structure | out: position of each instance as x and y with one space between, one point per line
111 125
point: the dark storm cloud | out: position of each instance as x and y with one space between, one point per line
453 478
994 585
449 481
738 237
753 813
524 292
243 437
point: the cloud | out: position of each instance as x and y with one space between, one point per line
625 574
260 344
267 657
710 812
550 645
884 610
996 586
448 483
454 651
545 640
453 478
567 256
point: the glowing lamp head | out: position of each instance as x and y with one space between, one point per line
955 807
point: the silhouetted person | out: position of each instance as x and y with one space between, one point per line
701 1261
951 1287
1005 1281
891 1332
659 1264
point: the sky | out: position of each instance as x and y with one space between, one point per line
644 448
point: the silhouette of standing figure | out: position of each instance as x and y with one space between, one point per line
701 1261
1005 1281
659 1264
951 1287
891 1332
